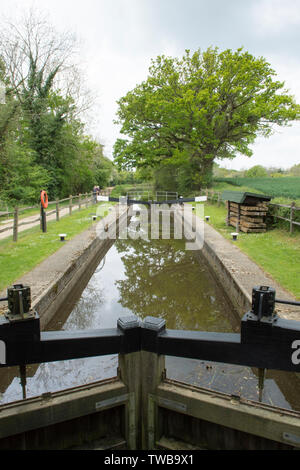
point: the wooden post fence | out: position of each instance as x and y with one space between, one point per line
292 210
70 205
288 218
42 219
15 226
57 210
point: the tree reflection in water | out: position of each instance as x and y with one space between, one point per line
164 280
85 312
158 278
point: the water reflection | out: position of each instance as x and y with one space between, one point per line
158 278
97 308
162 279
227 378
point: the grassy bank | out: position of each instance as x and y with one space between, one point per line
282 190
123 189
33 246
4 219
276 251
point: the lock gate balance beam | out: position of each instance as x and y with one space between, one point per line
265 341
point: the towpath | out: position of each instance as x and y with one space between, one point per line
34 220
29 222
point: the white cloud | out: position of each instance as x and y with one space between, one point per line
288 71
121 37
275 16
281 150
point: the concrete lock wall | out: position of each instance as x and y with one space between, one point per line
234 271
52 282
84 255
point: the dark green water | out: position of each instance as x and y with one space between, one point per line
158 278
164 280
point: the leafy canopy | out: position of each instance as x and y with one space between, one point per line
43 144
203 106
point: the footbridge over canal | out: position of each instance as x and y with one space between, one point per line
140 408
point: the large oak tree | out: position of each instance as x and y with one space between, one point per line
204 106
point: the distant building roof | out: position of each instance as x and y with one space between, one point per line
244 198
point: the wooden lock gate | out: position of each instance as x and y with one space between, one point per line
141 408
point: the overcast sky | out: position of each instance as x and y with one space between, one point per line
119 38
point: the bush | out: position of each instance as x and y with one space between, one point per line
256 171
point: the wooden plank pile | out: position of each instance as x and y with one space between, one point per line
247 218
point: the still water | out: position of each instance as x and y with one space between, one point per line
158 278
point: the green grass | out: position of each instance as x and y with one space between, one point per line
220 186
227 186
276 251
123 189
33 246
284 189
36 211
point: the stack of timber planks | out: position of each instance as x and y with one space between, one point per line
247 218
